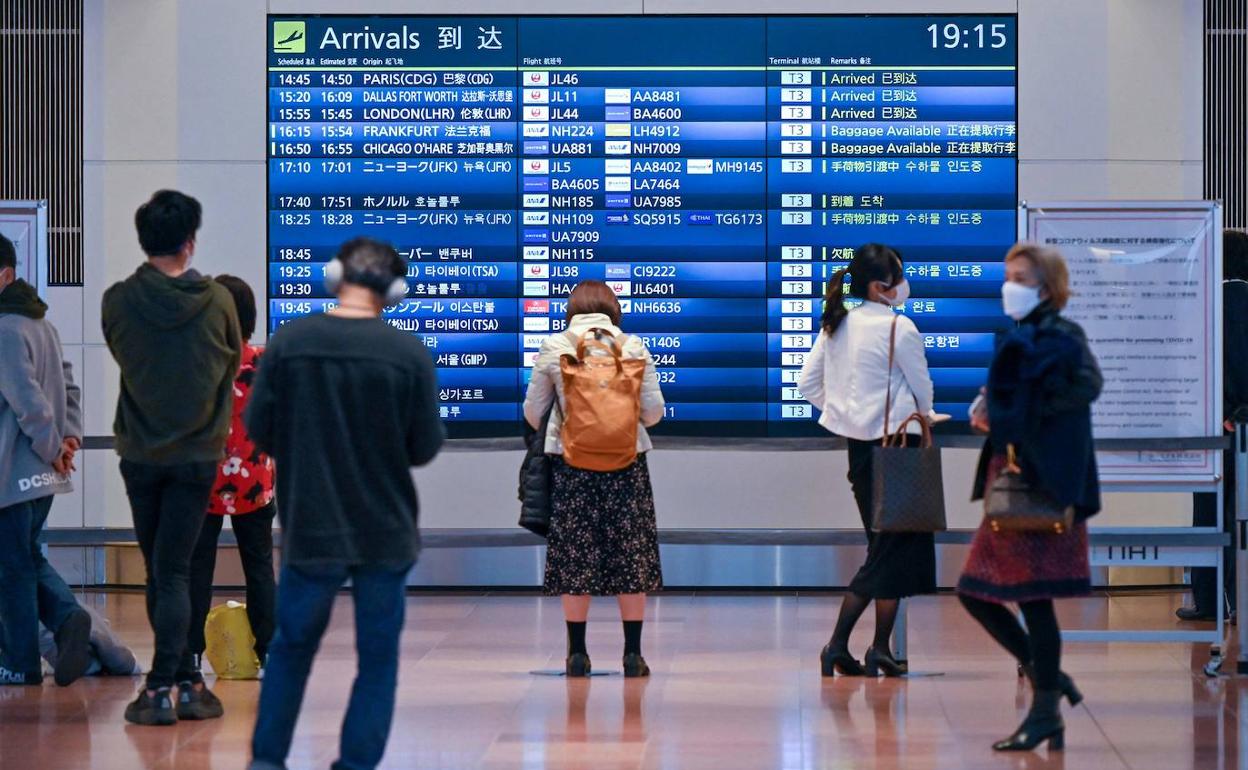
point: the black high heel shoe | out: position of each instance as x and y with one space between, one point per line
577 665
878 660
833 661
1043 723
1065 685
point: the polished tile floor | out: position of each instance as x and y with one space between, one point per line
735 686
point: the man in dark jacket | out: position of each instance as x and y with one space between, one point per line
40 431
1207 598
175 335
345 404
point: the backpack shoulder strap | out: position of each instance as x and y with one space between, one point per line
574 340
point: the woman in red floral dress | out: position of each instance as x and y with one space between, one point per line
244 492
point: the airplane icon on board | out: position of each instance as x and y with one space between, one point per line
289 37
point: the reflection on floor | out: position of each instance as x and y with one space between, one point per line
735 685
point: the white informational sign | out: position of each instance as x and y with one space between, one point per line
25 223
1147 282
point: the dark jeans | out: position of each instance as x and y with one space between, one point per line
254 534
1206 595
305 599
168 504
31 592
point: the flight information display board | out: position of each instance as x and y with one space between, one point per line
714 170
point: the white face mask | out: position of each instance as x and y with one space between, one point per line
901 293
1019 300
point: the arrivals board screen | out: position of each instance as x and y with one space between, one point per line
714 170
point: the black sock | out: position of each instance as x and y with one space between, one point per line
576 638
885 620
632 637
852 607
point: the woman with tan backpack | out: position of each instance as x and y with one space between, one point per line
596 389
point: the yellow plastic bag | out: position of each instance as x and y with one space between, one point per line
230 645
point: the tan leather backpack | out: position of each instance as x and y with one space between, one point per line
602 402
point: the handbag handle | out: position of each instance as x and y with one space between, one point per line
612 348
1011 459
898 438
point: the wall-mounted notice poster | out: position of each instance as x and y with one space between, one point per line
1147 280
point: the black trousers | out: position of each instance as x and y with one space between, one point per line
1206 594
254 534
168 504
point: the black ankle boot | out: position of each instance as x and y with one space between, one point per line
1065 685
1043 722
834 660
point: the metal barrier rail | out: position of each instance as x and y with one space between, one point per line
810 444
1158 537
1185 547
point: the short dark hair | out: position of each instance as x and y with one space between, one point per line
8 253
594 297
371 263
244 302
1235 255
166 222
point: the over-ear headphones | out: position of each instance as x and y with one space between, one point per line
393 290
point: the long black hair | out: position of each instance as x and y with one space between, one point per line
872 262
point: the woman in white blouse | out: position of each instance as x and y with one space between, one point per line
603 540
848 377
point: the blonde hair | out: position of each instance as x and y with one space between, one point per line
1049 267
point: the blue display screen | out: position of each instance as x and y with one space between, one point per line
714 170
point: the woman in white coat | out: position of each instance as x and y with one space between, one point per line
848 376
603 540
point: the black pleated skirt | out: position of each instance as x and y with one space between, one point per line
899 564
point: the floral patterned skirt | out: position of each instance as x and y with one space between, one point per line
1026 566
603 539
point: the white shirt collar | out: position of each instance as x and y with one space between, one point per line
586 321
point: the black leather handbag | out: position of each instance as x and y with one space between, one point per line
1011 504
535 481
907 483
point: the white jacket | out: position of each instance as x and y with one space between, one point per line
846 375
547 382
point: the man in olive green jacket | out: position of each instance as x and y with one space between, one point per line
176 337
